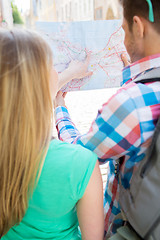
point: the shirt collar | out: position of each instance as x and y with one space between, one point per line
137 68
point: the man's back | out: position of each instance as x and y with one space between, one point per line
123 127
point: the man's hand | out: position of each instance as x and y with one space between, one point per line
125 60
76 69
59 99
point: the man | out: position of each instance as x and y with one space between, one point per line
125 124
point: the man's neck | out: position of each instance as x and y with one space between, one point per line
152 44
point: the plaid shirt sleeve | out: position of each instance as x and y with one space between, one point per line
114 133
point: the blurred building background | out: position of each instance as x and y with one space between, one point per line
74 10
60 10
42 10
107 9
6 13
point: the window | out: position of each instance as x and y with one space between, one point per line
85 8
70 9
66 11
62 17
40 4
76 11
98 13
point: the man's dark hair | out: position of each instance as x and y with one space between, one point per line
140 8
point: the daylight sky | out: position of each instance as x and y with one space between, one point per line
22 5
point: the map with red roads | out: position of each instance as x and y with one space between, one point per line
102 39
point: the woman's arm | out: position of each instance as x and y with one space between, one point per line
76 70
90 208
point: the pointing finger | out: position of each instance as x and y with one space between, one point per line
125 60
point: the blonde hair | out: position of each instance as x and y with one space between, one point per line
25 119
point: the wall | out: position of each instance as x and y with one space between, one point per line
107 9
75 10
42 10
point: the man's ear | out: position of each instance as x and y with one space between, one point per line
138 27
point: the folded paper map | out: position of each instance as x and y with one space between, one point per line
104 41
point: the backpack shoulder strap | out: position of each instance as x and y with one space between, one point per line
148 80
156 131
151 149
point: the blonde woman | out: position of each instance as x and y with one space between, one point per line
44 184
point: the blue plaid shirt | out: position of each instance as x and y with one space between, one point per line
123 128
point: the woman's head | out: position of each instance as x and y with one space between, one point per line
25 118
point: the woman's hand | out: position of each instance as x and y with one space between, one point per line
59 99
76 69
79 69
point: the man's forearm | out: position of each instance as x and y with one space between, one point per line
66 129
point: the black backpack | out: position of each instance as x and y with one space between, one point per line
140 203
